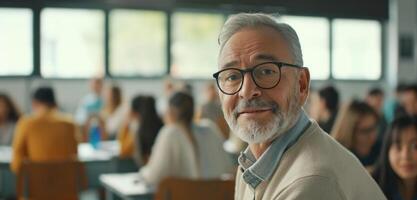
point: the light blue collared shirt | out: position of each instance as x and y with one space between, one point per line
256 171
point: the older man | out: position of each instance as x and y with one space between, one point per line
263 87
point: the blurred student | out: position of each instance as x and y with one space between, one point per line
91 104
162 101
46 134
375 99
139 131
113 111
396 170
408 99
211 109
328 105
356 129
184 149
9 114
392 107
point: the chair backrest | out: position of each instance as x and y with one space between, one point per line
187 189
51 180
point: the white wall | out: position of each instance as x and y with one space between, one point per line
69 92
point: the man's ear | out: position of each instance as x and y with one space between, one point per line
304 82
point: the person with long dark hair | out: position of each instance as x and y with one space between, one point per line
9 114
139 132
328 106
396 170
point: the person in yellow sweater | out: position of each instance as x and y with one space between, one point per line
139 131
46 135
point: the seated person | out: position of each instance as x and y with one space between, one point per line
396 170
375 98
356 129
90 104
184 149
408 99
9 114
211 109
113 111
46 135
328 105
139 131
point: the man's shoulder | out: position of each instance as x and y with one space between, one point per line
316 157
318 147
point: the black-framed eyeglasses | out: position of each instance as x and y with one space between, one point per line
265 75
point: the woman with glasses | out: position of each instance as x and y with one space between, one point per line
356 129
396 170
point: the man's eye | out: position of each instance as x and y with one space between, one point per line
268 72
232 77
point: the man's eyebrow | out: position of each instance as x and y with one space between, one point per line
230 64
267 57
260 57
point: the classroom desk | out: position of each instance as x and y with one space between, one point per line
96 161
123 186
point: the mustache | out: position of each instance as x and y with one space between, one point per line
255 104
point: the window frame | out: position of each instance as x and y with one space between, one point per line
170 8
167 45
382 52
24 5
105 39
192 10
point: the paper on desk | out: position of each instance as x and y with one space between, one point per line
126 184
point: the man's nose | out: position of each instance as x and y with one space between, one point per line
249 89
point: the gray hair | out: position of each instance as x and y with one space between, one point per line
240 21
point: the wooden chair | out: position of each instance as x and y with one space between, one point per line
187 189
51 180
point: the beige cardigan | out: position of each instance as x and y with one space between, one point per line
316 167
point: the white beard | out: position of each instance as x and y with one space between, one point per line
259 132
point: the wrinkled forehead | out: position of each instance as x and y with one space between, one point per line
252 44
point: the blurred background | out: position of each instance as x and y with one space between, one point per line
102 58
354 45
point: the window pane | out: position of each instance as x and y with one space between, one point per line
356 49
137 43
313 33
16 42
72 43
194 46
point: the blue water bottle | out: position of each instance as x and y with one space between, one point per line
94 133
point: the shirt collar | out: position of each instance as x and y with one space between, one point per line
256 171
